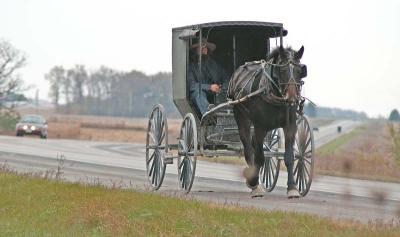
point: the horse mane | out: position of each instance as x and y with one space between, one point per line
274 54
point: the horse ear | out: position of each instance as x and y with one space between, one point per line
299 53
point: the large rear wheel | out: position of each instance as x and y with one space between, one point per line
303 156
187 153
156 146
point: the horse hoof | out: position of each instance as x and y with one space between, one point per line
251 187
257 192
293 193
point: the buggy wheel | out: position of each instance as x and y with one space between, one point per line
156 146
187 153
269 172
303 156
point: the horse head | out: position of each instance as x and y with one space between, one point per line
289 72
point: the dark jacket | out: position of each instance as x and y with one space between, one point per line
212 73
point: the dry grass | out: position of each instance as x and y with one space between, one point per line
97 128
366 152
394 131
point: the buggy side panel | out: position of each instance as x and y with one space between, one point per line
180 57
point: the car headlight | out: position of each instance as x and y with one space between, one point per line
33 128
25 127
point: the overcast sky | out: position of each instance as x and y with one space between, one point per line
352 48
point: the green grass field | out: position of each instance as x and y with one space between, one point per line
32 206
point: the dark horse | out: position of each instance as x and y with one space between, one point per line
280 79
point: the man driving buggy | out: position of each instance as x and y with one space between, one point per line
212 75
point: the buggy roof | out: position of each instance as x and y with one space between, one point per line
273 29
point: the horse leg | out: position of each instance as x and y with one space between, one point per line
259 159
244 125
290 132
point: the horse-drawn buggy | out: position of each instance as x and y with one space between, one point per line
252 113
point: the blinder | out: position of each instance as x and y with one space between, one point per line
303 71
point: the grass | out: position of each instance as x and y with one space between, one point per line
32 206
367 152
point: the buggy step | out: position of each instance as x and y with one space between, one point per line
168 158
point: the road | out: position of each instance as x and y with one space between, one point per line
122 165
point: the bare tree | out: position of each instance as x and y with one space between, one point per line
11 59
78 77
66 89
56 77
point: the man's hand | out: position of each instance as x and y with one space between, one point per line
215 88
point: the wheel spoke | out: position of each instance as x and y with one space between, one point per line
189 174
273 143
151 169
307 160
151 134
308 143
270 177
152 129
297 144
186 135
296 169
154 172
190 138
274 162
151 157
183 166
306 176
263 172
161 137
182 144
155 124
266 176
300 181
160 168
306 169
304 180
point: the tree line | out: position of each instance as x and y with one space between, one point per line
109 92
320 111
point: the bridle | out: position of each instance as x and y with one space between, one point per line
285 85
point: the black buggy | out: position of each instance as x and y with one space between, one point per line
216 132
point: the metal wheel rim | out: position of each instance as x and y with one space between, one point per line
269 172
303 167
187 153
156 147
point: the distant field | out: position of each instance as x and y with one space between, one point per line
101 128
39 207
367 152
